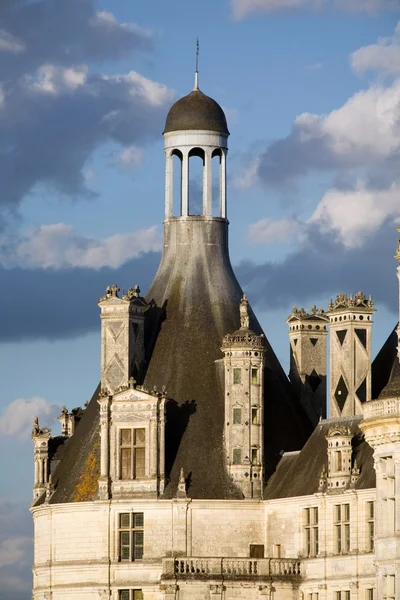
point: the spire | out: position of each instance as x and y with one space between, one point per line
196 73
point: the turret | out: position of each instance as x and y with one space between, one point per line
381 427
307 335
122 337
244 371
350 322
40 439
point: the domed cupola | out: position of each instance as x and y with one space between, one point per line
196 127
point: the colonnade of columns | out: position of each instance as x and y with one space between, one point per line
207 157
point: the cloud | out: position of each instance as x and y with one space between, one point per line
244 8
383 57
62 303
323 266
56 109
362 136
57 246
17 418
270 231
16 550
131 157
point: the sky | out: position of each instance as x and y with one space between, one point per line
311 90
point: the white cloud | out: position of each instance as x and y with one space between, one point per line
10 43
50 79
271 231
243 8
131 157
248 175
382 57
58 246
356 214
156 94
17 417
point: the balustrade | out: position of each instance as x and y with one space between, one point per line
225 568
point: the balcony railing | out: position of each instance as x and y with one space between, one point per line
227 568
378 408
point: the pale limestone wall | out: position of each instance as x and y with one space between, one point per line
79 538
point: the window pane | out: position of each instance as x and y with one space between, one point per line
126 437
139 463
237 375
138 520
140 437
315 516
237 416
138 545
126 463
347 595
237 456
125 545
137 595
254 416
370 510
124 520
337 512
254 376
123 595
254 456
316 542
346 512
346 538
307 515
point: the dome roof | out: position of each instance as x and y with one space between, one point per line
196 111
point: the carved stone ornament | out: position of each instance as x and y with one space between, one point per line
169 588
111 292
216 589
244 313
103 594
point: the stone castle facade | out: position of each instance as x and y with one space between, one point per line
199 470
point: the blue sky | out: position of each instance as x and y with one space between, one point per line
311 90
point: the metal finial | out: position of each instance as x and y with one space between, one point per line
196 73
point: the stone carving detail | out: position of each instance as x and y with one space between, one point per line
217 589
36 430
132 293
244 313
111 292
181 493
358 301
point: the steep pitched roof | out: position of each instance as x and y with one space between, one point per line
383 364
299 474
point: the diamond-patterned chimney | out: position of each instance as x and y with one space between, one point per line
350 323
122 337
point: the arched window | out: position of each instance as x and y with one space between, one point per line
176 159
196 181
216 182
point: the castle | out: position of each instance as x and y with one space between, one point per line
199 470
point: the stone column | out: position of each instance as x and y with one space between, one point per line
185 185
169 186
207 184
104 487
153 447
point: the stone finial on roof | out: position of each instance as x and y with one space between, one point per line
244 313
111 292
181 485
359 300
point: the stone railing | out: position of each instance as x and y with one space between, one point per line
227 568
381 408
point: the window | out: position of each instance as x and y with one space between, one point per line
342 528
338 460
131 536
237 376
370 526
254 456
312 596
132 453
343 595
254 416
237 416
370 594
311 531
256 551
130 595
388 492
389 587
237 456
254 376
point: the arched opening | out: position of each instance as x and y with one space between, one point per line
196 181
176 161
216 158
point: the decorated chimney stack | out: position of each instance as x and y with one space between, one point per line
350 322
244 353
307 335
122 337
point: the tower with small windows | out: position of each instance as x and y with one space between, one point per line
243 364
350 323
307 335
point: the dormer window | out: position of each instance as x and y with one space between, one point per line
237 376
132 453
338 460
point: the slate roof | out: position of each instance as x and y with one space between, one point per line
196 111
298 474
382 366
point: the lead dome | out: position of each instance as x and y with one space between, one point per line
196 111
